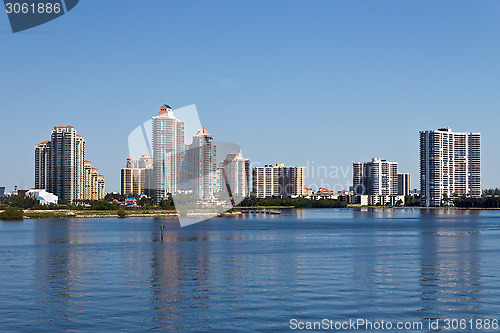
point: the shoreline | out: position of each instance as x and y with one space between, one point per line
71 214
55 214
65 213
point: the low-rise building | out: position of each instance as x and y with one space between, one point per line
43 197
308 192
130 202
372 200
384 200
324 193
354 199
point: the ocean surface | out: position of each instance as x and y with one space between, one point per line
266 273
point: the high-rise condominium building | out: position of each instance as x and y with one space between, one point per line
234 172
137 177
278 181
450 165
67 154
403 183
378 177
60 165
199 166
94 183
168 151
42 165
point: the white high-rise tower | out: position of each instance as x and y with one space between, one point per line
168 151
450 165
378 177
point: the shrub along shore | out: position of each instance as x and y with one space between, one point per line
19 208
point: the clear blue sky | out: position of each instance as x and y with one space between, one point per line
290 81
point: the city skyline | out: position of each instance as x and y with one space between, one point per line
197 171
404 63
450 165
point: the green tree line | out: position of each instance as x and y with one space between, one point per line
292 202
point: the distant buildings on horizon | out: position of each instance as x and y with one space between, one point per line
450 166
178 167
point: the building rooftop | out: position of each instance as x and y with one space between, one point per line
166 111
202 131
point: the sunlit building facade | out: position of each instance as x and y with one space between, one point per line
137 177
200 165
60 166
42 165
377 177
168 152
234 175
278 181
450 166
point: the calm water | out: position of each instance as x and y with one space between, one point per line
249 273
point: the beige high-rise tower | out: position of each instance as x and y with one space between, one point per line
278 181
60 167
137 177
66 164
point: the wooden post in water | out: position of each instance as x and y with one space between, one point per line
161 232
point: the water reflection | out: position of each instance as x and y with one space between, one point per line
180 267
220 273
432 213
375 212
450 265
248 272
56 272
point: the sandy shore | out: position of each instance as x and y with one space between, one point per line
65 213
